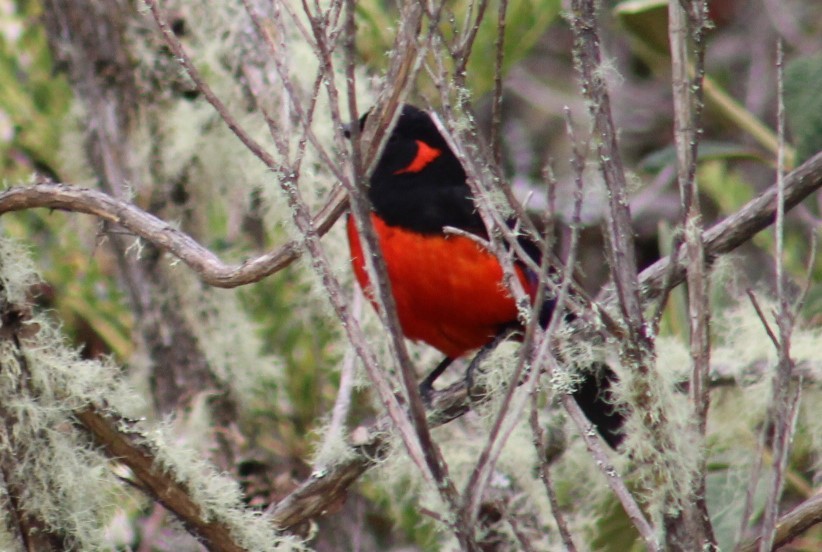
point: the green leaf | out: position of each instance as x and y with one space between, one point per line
614 530
647 23
708 151
727 485
803 104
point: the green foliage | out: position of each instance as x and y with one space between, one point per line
614 530
647 24
726 187
88 300
32 100
709 150
526 22
803 104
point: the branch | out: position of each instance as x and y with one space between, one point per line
123 446
313 496
622 254
695 528
21 333
791 525
720 239
725 236
203 262
322 488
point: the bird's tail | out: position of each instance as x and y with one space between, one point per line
594 395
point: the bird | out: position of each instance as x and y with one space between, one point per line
448 288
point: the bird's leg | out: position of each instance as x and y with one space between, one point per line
427 385
483 353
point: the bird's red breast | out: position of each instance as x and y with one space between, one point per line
448 290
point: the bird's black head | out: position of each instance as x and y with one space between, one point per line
413 126
418 182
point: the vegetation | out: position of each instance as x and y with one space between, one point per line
185 359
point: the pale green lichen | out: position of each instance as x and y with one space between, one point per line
217 495
61 478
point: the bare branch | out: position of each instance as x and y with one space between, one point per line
738 228
594 445
407 56
342 404
146 226
496 105
791 525
620 230
687 95
545 476
720 239
181 55
784 394
762 318
368 444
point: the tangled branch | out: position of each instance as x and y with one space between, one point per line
316 493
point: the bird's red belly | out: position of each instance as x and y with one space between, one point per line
448 290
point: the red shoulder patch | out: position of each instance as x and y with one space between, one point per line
425 155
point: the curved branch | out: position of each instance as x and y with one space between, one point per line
722 238
202 261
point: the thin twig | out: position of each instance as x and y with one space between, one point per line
687 96
437 468
278 54
620 233
783 399
462 51
762 318
578 164
342 404
734 230
595 448
180 54
523 540
545 474
496 104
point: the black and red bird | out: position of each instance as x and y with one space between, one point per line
448 289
